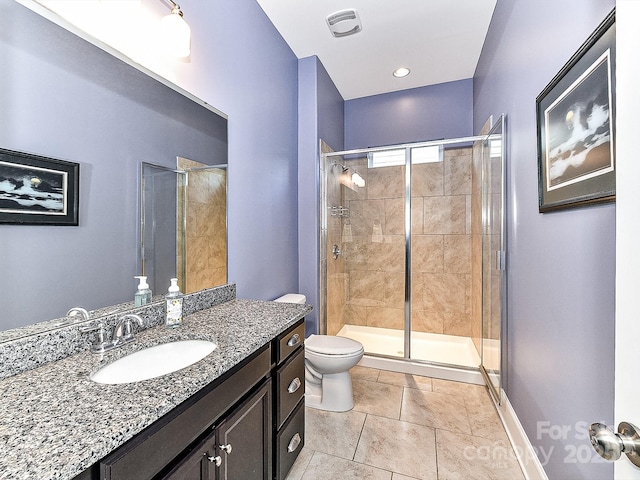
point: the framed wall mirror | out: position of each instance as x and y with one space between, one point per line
65 98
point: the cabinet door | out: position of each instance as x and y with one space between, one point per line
244 439
199 464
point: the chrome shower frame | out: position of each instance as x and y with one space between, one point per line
328 160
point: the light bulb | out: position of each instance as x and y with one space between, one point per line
176 34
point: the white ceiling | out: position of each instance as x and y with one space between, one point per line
439 40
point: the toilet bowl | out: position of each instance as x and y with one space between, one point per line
328 360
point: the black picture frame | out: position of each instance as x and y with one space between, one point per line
36 190
576 127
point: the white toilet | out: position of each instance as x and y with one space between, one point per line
328 360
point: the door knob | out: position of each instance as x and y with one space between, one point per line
610 445
217 460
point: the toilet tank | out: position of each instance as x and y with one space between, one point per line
292 298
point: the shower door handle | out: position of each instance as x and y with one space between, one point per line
610 445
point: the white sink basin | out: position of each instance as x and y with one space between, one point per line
154 361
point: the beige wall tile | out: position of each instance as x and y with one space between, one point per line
394 290
385 317
427 322
457 253
366 288
427 180
363 214
385 182
457 172
427 253
445 215
417 215
394 216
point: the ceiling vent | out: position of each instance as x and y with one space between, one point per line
344 23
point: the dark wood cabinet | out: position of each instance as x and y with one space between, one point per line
288 415
246 425
239 447
244 440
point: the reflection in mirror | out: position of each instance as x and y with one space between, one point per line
202 226
159 206
184 225
74 101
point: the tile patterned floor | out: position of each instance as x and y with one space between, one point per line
407 427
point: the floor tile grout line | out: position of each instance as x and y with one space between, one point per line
366 415
435 438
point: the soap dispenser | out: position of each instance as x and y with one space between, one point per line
174 305
143 295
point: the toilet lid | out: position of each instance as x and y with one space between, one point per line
330 345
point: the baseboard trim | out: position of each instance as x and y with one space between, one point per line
525 453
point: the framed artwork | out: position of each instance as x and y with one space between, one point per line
576 127
37 190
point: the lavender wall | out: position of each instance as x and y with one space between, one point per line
241 64
320 116
561 265
415 115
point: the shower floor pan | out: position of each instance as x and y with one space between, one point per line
430 347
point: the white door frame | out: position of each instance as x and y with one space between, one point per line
627 354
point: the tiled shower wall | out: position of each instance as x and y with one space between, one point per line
366 283
205 242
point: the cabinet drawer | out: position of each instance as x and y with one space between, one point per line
290 386
290 441
288 341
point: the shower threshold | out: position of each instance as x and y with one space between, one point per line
449 357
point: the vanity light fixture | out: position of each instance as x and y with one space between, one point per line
176 32
401 72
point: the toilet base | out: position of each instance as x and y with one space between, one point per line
336 394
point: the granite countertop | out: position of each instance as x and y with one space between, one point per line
56 422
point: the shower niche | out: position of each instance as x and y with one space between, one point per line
419 228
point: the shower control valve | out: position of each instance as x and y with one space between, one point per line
336 251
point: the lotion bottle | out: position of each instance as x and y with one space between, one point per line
143 295
174 305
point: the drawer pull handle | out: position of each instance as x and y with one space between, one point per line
217 460
294 340
293 444
294 385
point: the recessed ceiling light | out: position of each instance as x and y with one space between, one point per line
401 72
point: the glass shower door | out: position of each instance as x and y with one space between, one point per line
364 251
159 189
493 256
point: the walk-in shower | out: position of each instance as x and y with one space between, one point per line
412 253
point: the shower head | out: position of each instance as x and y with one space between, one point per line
337 164
356 179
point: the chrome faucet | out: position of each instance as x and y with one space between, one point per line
102 344
122 334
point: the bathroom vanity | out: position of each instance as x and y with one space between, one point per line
236 414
